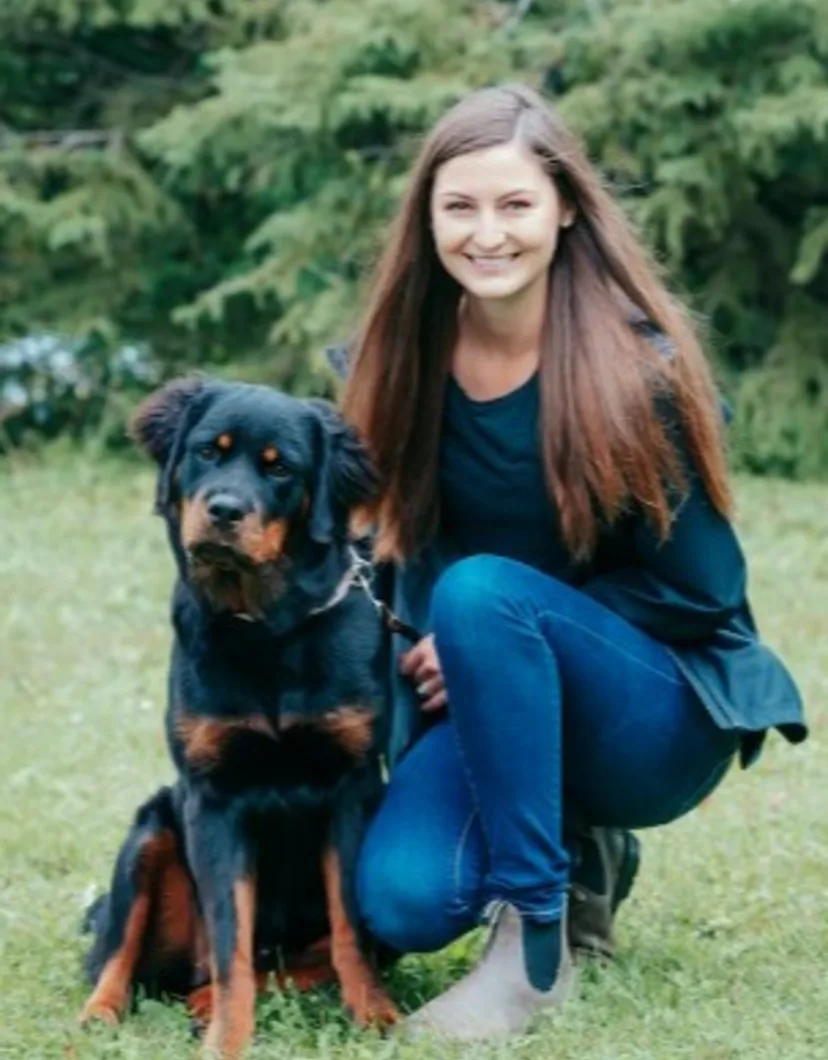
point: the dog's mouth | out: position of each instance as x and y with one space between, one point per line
238 588
220 556
229 580
241 567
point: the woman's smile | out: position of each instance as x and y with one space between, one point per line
489 263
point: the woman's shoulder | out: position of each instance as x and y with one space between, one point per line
657 338
667 347
338 357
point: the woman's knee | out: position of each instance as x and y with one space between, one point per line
407 906
473 586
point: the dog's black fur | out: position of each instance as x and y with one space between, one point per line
274 719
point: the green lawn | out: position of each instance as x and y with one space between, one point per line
724 944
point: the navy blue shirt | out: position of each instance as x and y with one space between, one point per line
492 492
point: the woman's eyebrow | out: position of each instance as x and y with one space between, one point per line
450 193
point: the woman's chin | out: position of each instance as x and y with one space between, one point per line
494 287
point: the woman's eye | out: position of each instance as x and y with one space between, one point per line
456 207
518 205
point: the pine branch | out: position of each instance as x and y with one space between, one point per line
62 139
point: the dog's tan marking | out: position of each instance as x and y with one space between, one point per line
205 739
352 728
196 524
362 992
178 921
262 542
232 1016
111 994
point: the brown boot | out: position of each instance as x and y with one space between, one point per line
506 989
594 901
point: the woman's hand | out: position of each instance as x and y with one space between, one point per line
421 665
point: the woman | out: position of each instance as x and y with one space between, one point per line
556 511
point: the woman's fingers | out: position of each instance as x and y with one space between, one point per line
425 671
433 694
421 665
437 702
412 659
421 657
427 688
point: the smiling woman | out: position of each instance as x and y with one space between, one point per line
556 507
496 220
491 209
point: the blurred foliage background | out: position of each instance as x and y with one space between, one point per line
205 183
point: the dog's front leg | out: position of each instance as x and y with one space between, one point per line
222 865
362 992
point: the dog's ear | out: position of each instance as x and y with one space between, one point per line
161 426
156 422
345 476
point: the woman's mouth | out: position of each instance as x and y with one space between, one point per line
491 263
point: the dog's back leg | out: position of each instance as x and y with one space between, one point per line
123 920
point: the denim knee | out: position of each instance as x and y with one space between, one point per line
466 591
408 906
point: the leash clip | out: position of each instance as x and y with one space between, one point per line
363 577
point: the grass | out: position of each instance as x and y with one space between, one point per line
722 946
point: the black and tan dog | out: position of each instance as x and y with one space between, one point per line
246 864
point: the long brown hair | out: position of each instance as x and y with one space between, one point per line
605 447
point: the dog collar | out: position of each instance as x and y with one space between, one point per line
358 574
354 575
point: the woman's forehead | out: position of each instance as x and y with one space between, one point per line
494 171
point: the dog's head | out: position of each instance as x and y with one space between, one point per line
257 487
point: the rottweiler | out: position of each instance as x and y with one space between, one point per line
245 865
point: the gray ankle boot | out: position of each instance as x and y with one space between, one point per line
593 904
497 997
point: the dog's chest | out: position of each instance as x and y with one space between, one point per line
280 749
280 716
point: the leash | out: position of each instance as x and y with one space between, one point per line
361 574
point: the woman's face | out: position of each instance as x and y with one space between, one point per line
496 215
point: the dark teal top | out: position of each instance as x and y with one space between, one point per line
492 492
688 592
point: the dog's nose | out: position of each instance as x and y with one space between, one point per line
225 510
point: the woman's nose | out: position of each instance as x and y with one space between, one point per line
489 234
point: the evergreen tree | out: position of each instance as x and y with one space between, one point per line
214 176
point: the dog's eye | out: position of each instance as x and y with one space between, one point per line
276 468
273 464
208 452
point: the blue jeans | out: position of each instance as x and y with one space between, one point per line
554 702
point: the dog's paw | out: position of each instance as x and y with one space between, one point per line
227 1042
374 1008
200 1008
100 1010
